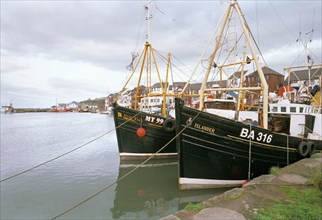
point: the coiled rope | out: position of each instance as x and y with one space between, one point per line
68 152
127 174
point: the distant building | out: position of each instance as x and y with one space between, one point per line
235 79
109 101
73 105
310 76
125 99
273 78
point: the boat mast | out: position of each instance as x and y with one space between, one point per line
211 60
259 69
147 61
264 87
147 37
164 91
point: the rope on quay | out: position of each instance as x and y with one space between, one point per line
68 152
127 174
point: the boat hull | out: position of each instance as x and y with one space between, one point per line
215 151
132 146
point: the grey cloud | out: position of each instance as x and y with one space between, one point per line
104 33
73 87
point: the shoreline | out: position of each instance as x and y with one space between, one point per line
261 193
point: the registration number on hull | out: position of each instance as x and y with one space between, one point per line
155 120
150 119
258 136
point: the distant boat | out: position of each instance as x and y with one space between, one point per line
108 111
59 109
7 108
217 151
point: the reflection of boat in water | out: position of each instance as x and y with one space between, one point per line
151 191
216 151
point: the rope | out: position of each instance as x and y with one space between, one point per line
125 175
68 152
312 131
249 152
287 150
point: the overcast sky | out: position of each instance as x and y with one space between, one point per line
75 50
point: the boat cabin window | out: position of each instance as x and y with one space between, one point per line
274 109
301 110
220 105
292 109
283 109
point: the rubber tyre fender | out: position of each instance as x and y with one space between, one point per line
168 125
311 147
303 149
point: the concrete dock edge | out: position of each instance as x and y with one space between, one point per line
263 191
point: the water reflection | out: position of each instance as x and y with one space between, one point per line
151 191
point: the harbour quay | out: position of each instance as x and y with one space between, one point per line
24 110
263 193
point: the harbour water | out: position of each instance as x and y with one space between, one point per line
30 139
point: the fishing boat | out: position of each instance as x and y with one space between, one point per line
144 126
7 108
219 151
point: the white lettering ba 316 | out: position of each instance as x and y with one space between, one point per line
260 136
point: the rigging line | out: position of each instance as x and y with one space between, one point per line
127 174
298 57
281 19
257 22
156 7
174 65
230 52
182 63
140 35
171 72
260 52
313 23
203 53
301 53
269 30
162 57
66 153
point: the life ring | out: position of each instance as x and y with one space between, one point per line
168 125
303 149
311 147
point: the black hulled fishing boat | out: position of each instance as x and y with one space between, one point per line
216 151
144 126
140 134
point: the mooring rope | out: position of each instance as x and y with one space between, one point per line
127 174
315 133
287 150
68 152
249 152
